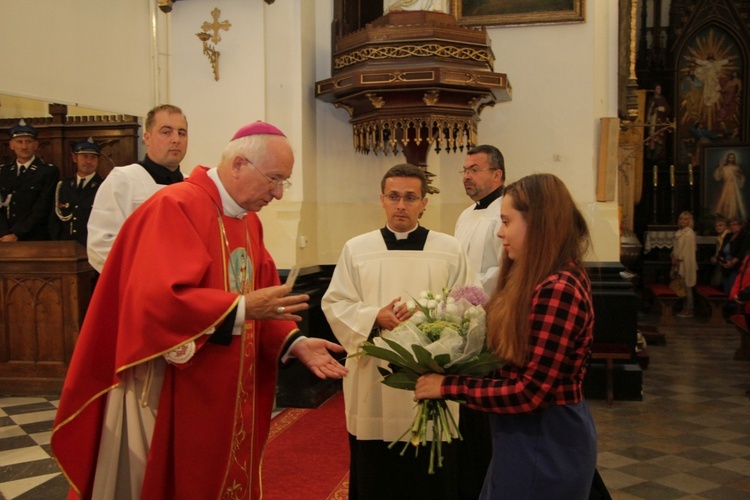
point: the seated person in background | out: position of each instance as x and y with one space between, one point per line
732 251
74 196
722 231
26 189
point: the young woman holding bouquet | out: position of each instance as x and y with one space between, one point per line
540 322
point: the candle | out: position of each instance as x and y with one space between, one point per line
690 173
656 176
671 175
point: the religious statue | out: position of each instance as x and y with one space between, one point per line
433 5
657 118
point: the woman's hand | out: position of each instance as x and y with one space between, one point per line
428 387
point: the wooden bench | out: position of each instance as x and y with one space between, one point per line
716 299
666 298
609 353
743 351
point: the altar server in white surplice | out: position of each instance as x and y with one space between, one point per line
476 228
126 188
376 273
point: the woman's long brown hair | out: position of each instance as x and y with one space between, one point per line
556 237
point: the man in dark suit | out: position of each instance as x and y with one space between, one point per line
74 196
26 189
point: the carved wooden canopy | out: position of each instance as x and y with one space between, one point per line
414 81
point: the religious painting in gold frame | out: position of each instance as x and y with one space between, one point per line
518 12
726 171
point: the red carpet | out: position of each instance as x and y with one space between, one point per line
307 455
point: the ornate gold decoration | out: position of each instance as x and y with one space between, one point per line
377 101
431 97
348 109
209 49
402 51
392 135
216 26
210 52
165 5
414 82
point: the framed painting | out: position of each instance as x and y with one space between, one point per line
726 180
518 12
710 89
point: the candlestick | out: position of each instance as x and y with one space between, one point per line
671 175
656 176
690 173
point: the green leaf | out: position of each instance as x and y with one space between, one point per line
408 360
422 308
385 354
385 372
402 380
425 360
442 359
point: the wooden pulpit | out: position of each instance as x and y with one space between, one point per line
45 287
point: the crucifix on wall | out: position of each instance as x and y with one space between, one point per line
205 36
216 26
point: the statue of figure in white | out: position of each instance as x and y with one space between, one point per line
433 5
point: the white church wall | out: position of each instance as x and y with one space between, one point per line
561 88
216 109
87 53
259 79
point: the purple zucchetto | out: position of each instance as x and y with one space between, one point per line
258 128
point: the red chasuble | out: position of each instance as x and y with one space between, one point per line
167 282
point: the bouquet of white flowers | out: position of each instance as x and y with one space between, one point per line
445 335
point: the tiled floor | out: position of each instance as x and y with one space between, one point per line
688 438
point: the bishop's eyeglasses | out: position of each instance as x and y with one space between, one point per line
284 184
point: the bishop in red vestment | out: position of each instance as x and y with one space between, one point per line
170 388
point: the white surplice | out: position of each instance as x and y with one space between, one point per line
124 190
477 232
367 277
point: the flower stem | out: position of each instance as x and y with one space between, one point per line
454 426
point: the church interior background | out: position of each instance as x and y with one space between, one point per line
638 107
692 61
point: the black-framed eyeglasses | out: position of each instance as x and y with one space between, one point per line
284 184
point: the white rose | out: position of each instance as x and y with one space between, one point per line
418 317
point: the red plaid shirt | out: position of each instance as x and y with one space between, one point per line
562 329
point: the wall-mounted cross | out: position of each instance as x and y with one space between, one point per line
216 26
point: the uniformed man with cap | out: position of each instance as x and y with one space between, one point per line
74 196
26 189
